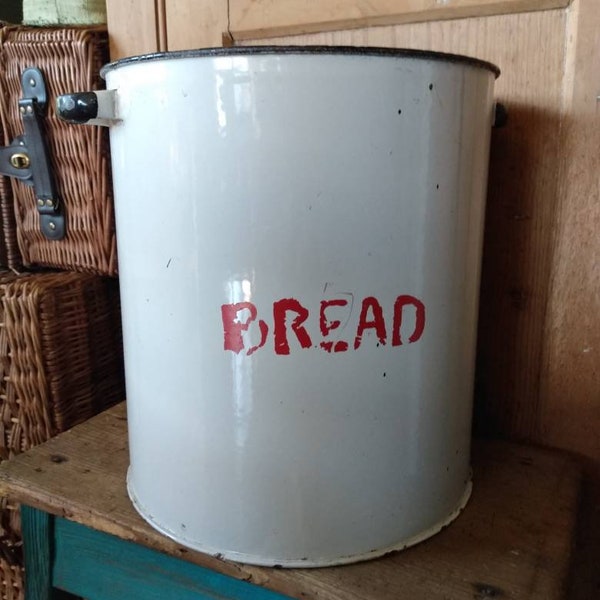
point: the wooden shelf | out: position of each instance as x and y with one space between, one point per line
513 539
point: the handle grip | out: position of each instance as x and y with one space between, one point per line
500 115
87 108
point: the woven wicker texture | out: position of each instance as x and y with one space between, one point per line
11 552
60 363
70 59
10 256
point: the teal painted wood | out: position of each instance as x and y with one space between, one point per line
36 527
37 530
98 566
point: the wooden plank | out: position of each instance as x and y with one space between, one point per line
523 194
255 19
132 27
64 12
571 375
196 23
512 540
108 567
36 526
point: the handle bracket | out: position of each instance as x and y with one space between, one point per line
27 156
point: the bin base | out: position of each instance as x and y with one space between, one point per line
309 562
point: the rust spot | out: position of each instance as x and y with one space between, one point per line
58 458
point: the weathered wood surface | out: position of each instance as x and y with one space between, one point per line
513 540
209 19
37 527
64 12
254 19
134 27
92 564
570 377
139 27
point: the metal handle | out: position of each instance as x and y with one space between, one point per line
27 157
500 115
87 108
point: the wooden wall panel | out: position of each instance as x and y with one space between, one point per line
196 23
133 27
268 18
523 197
141 27
571 376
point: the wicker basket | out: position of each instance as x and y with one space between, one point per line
70 59
60 363
9 249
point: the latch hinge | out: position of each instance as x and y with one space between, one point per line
27 156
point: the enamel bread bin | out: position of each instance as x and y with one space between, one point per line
299 235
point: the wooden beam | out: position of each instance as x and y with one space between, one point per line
256 19
37 526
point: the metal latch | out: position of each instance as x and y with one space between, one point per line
27 156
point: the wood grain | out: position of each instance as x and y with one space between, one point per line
108 567
196 23
132 27
523 193
36 525
64 12
571 376
254 19
513 539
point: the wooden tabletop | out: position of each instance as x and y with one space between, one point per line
513 540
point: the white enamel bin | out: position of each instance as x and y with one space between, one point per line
299 234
